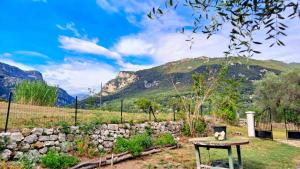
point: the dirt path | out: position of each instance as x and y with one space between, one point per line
295 143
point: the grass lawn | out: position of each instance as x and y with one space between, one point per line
259 154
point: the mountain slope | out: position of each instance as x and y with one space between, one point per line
11 75
157 81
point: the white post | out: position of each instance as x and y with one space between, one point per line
250 123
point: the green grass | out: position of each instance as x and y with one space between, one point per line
259 154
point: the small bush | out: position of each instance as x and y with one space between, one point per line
84 147
136 144
186 130
28 161
165 139
200 126
54 160
121 145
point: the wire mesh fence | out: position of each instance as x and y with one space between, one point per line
29 116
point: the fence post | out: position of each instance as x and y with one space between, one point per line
121 110
76 111
8 110
149 113
174 109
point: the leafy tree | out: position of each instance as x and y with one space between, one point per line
226 98
144 104
36 93
245 17
279 92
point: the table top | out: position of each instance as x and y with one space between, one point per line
211 141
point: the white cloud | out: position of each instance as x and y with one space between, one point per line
133 46
31 53
6 54
71 27
86 46
77 75
16 64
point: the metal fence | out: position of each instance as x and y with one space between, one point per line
14 115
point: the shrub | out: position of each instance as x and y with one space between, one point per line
136 144
121 145
199 126
28 161
36 93
186 130
84 147
54 160
165 139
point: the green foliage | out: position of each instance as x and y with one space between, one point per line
165 139
36 93
144 104
279 92
225 100
121 145
64 127
87 127
28 161
244 17
136 144
186 130
54 160
200 126
84 147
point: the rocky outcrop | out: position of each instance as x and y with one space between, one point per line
10 76
40 140
123 79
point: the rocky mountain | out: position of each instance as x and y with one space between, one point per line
158 81
11 75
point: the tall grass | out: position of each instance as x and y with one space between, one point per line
36 93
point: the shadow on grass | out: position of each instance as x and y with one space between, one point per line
249 164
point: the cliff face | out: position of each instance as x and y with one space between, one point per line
124 79
10 76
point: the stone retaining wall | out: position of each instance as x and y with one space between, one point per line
38 141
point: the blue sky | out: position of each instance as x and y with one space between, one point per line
78 44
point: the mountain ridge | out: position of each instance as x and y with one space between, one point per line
156 81
11 75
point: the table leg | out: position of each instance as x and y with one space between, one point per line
238 149
198 157
230 158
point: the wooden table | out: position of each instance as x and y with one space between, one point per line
211 142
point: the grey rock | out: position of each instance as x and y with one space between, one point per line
49 143
113 127
53 137
62 137
25 147
100 147
49 131
18 155
16 137
44 138
5 155
12 146
70 137
108 144
74 129
31 139
43 150
37 131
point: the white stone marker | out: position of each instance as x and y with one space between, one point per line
250 123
